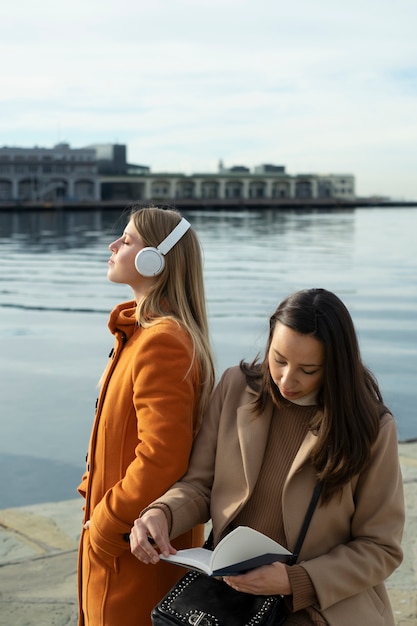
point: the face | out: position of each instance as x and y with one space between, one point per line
122 261
295 362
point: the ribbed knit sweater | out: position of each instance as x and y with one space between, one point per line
288 429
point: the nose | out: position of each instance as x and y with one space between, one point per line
287 378
113 246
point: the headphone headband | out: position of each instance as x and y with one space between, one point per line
174 236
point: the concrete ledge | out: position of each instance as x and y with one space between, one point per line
38 559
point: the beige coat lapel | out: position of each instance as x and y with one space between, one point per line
298 489
302 455
241 461
253 433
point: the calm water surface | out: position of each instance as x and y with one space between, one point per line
55 300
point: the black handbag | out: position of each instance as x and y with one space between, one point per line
200 600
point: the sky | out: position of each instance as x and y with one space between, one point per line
319 87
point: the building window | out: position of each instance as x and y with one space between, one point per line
210 190
185 190
257 190
303 189
234 190
160 190
5 190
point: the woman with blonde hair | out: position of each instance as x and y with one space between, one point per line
152 396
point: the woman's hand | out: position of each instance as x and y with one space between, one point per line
150 529
262 581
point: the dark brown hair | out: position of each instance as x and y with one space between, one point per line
350 403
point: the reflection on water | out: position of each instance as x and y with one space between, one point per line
55 300
58 230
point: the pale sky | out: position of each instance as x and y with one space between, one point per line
318 86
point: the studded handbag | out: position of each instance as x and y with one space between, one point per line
200 600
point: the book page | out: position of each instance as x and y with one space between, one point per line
242 549
194 558
242 544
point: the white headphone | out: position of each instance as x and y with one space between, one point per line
150 261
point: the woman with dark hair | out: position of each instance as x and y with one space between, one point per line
309 411
152 397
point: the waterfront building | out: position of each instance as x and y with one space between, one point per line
231 185
48 174
112 159
101 173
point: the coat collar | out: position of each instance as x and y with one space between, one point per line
123 319
253 433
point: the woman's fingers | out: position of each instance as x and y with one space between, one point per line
150 534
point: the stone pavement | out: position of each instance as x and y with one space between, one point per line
38 564
38 560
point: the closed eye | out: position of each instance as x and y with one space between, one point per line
284 363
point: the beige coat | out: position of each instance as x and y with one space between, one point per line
353 543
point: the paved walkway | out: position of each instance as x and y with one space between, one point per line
38 560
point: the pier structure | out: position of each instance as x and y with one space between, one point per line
238 184
100 173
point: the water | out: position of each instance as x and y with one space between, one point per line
55 300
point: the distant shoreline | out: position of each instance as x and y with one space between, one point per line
215 205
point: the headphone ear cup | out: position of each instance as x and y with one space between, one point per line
149 262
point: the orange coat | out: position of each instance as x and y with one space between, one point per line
140 445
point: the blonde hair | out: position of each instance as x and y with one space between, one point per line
178 292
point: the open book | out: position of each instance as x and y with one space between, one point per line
241 550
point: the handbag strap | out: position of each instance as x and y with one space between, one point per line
306 523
